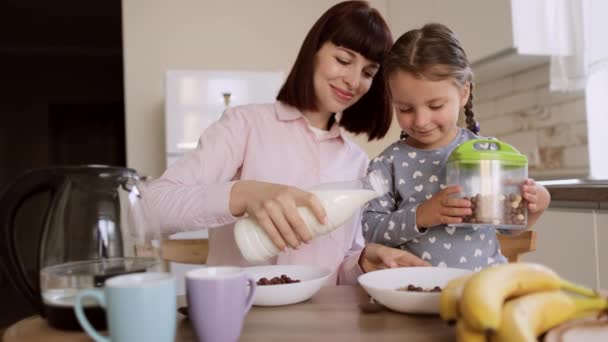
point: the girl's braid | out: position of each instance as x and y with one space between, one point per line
472 125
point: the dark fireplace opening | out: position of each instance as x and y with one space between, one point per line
62 100
87 134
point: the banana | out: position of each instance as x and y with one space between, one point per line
450 299
484 294
464 333
527 317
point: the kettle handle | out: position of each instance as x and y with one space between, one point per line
11 200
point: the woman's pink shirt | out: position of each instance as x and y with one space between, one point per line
264 142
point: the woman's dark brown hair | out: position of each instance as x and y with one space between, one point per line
433 52
358 27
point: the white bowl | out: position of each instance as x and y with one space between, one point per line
311 279
383 286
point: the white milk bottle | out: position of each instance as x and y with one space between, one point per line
340 201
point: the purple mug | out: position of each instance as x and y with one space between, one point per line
218 300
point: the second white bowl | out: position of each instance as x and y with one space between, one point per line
384 286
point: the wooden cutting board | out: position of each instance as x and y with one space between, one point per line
589 329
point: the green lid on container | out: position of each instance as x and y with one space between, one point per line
476 150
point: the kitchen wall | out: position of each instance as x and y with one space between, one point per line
549 127
463 16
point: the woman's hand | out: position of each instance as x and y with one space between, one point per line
377 257
274 207
443 209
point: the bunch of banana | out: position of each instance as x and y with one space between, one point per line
527 317
514 302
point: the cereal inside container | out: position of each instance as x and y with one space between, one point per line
491 174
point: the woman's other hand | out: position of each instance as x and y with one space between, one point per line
274 207
377 257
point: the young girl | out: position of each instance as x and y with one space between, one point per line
256 159
430 81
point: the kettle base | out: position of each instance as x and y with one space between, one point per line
64 318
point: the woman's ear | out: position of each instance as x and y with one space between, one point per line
465 93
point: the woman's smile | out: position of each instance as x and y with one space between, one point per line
342 95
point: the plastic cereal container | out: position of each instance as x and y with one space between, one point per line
491 174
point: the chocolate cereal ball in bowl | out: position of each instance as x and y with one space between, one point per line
286 284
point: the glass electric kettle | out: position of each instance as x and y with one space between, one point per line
96 225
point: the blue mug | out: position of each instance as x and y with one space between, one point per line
139 307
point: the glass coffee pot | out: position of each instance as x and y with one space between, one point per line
96 225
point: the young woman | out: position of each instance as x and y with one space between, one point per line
257 158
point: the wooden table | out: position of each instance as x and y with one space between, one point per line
331 315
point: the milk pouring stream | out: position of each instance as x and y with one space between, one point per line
340 201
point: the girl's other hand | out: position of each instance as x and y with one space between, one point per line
442 208
274 207
537 196
377 257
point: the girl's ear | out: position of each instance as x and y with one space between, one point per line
465 92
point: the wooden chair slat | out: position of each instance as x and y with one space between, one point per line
190 251
513 246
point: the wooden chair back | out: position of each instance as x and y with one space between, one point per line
513 246
187 251
195 251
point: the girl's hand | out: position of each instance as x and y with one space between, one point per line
274 207
377 257
443 209
537 196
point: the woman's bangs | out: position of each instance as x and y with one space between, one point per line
369 38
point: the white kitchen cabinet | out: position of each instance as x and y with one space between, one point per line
566 242
194 99
602 247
